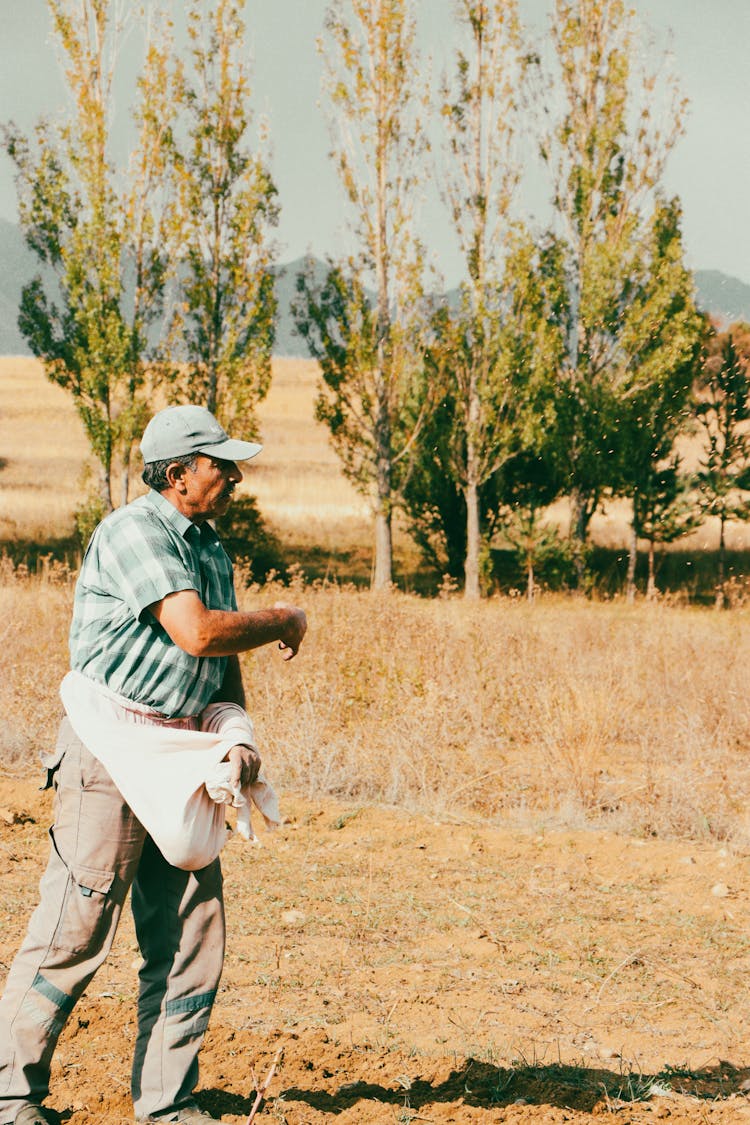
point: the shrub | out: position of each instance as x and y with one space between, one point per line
248 540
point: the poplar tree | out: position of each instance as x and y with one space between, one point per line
225 319
660 340
480 177
364 324
517 404
723 412
613 127
100 236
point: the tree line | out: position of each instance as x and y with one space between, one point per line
570 362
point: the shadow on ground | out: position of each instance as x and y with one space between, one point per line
483 1085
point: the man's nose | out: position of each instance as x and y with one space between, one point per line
235 473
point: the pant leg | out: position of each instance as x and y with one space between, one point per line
179 920
96 844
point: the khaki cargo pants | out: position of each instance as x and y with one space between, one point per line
98 850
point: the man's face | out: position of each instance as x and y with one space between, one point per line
208 488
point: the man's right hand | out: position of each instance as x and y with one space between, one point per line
294 633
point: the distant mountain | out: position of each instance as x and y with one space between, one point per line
288 343
722 296
725 298
18 265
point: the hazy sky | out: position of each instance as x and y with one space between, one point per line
710 168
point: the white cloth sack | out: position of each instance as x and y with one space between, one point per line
164 772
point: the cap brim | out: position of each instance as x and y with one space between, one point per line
231 450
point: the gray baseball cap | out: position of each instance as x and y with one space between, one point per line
180 430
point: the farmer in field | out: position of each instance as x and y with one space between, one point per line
155 701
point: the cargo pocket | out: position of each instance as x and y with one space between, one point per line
86 910
51 759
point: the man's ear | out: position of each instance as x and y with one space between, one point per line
175 474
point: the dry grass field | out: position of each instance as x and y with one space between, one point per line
512 881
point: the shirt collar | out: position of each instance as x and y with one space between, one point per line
168 512
204 532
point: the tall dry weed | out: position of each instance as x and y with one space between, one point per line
627 717
34 618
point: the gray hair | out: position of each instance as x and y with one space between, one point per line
154 474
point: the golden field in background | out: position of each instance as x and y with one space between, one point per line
46 467
43 451
44 455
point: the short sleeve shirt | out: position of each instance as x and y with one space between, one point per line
138 555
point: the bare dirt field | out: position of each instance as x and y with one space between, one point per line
415 971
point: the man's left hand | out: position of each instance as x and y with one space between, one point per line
245 763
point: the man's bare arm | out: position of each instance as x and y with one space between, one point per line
216 632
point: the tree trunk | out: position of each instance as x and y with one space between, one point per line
125 479
471 492
651 590
105 488
632 559
471 564
383 573
383 576
211 389
580 517
530 584
720 585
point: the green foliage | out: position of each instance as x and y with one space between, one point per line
102 245
434 504
480 179
90 511
248 540
515 458
529 483
111 241
606 152
227 208
722 409
661 335
664 508
339 325
544 556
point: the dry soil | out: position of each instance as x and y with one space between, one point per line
412 971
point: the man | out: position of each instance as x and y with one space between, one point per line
156 632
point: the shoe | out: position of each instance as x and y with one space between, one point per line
37 1115
186 1115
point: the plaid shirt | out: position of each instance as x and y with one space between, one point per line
138 555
